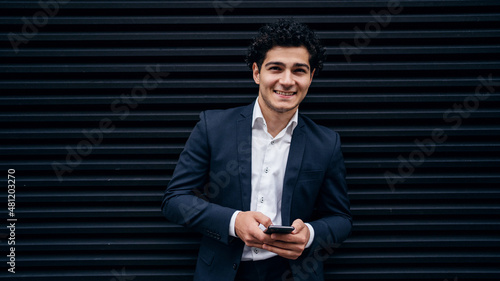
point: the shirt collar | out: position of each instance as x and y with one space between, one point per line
257 114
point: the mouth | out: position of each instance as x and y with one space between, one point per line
286 94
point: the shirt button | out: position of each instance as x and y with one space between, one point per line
272 142
261 199
256 250
266 170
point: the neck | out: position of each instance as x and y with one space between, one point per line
276 121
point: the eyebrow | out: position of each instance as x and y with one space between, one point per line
282 64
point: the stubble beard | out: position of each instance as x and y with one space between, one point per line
276 109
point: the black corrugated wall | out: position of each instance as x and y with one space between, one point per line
98 98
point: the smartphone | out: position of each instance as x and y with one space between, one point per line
279 229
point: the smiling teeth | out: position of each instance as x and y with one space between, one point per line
285 93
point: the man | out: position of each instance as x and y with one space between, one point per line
246 168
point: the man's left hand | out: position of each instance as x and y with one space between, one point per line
291 245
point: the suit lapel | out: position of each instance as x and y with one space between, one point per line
297 147
244 138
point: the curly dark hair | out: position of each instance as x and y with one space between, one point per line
286 33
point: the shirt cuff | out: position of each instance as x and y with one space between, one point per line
311 235
232 231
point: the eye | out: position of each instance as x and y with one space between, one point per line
274 68
300 70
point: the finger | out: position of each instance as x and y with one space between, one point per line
281 244
260 237
298 224
283 252
262 219
254 244
290 238
282 237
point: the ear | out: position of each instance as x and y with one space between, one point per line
255 70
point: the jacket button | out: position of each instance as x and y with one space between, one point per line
235 266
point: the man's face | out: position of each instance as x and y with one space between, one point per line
284 78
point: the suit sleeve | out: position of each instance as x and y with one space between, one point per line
184 201
334 219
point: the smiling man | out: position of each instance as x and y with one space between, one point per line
248 168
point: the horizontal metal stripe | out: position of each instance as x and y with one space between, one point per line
107 244
166 83
429 210
194 116
141 52
189 4
66 179
80 133
123 272
241 67
351 163
427 163
438 256
131 226
143 196
416 179
236 51
402 148
92 227
242 35
148 243
96 165
374 196
118 271
98 149
138 212
337 274
163 259
393 114
415 131
158 133
416 272
144 149
430 225
418 241
132 214
161 133
231 99
97 116
253 19
427 193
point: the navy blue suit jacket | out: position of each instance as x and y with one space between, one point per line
213 179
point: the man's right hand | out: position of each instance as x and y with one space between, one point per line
246 227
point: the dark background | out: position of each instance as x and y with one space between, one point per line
82 66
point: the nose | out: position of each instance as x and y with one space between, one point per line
287 79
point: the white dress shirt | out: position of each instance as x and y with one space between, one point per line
269 159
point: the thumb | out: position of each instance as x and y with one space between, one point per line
298 224
263 219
